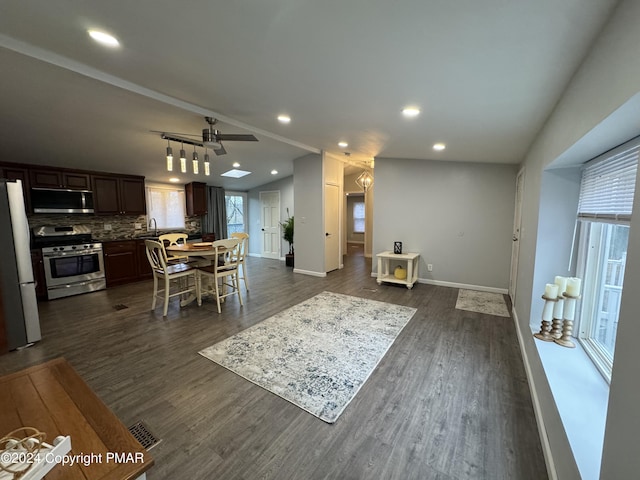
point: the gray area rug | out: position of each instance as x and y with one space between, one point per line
316 354
482 302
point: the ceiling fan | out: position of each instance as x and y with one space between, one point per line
210 138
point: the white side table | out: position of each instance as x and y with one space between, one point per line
407 260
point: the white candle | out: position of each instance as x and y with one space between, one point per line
551 291
573 286
562 284
547 313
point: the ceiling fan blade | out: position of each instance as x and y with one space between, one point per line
237 137
220 151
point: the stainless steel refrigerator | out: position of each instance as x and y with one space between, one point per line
17 286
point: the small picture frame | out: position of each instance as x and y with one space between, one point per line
397 248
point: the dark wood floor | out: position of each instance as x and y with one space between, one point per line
450 399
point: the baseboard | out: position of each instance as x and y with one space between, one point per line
537 408
466 286
254 255
309 272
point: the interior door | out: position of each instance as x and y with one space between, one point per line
515 245
270 206
332 227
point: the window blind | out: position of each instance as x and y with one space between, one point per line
608 185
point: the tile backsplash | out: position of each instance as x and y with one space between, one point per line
121 226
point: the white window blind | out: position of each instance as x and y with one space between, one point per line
608 185
166 204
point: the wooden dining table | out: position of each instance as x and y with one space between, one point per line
198 249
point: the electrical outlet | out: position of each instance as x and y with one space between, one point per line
194 224
107 226
137 226
430 267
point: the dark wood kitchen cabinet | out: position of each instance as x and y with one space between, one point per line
144 267
120 262
18 173
37 263
196 193
118 195
53 178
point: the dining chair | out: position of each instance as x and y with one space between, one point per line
244 246
223 274
169 239
176 275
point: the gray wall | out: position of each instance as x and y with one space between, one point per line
458 216
599 110
308 188
285 187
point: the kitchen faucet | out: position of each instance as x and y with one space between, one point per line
155 226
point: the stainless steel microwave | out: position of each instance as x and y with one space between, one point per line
53 200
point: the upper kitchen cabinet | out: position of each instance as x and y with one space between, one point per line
196 193
11 172
53 178
118 195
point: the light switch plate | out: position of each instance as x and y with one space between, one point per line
137 226
107 226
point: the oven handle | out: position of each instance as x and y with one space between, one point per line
78 284
74 253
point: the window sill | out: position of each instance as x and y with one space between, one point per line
581 395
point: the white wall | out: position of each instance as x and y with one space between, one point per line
285 187
459 216
594 115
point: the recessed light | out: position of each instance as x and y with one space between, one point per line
104 38
274 172
235 173
439 146
235 165
411 112
284 118
174 180
343 144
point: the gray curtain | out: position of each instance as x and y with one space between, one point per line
215 221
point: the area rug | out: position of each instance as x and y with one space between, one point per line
316 354
482 302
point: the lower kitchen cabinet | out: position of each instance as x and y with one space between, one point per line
144 267
125 261
38 274
120 262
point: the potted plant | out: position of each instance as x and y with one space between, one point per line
287 235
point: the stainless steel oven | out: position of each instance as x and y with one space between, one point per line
73 264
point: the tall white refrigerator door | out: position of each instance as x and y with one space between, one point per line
30 309
20 227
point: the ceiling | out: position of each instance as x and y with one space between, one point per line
485 76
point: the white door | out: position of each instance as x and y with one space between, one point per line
270 203
332 227
515 244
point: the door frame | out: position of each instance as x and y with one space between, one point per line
517 231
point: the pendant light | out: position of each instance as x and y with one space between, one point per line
195 161
365 180
183 160
207 170
169 157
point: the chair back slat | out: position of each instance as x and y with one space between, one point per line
156 255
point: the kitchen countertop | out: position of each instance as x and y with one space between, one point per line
191 236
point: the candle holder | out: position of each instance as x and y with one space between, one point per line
567 323
556 323
547 313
